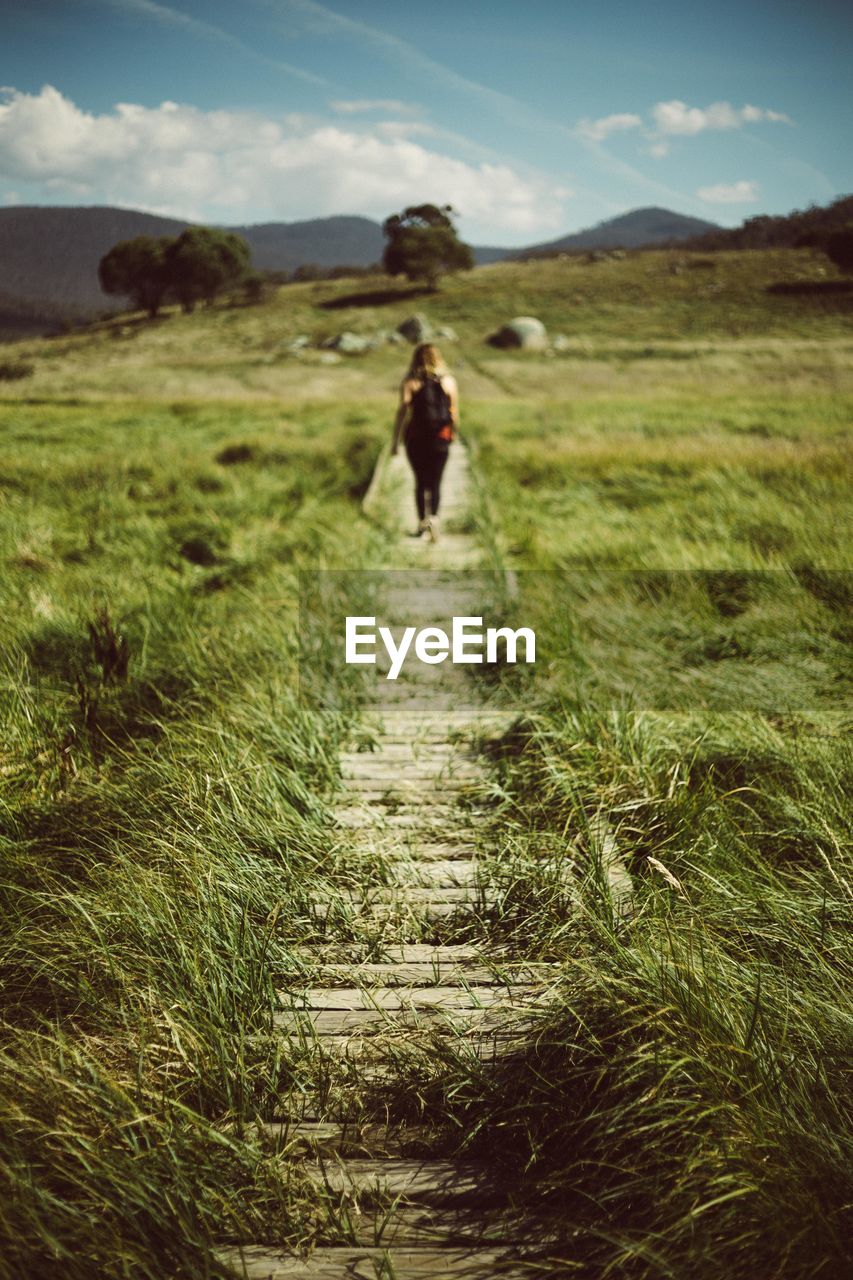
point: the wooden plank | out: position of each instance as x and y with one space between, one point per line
424 791
412 1225
614 867
419 849
414 953
401 896
411 772
426 953
411 895
414 999
425 1181
426 820
334 1136
353 1022
446 872
427 752
450 760
427 975
417 913
357 1262
375 1066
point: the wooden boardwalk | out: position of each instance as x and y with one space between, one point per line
401 966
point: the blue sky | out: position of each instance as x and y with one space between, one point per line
530 118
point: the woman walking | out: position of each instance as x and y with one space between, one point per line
429 415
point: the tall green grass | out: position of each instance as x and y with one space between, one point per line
162 821
683 1108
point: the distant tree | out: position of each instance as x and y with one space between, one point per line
202 262
254 288
307 272
423 244
136 269
839 248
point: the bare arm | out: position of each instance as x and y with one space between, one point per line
402 414
452 390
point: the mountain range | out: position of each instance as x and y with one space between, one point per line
49 255
634 230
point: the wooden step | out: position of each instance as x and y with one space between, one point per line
432 974
499 1016
426 792
313 1023
400 896
423 752
447 872
425 953
411 845
334 1137
450 762
407 1225
413 895
397 952
436 821
415 999
355 1262
372 1033
422 1181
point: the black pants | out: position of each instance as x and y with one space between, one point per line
428 462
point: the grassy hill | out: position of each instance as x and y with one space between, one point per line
675 479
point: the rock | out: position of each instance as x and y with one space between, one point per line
525 333
416 328
597 255
560 342
618 254
299 343
329 357
446 334
349 344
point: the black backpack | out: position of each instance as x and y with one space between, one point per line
430 410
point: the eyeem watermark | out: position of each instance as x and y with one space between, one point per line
467 642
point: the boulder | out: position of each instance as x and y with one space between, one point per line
416 328
446 334
560 342
349 344
524 333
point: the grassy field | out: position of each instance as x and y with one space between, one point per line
676 482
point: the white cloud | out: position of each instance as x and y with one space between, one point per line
598 130
236 166
743 192
659 150
167 16
404 129
753 115
350 107
676 118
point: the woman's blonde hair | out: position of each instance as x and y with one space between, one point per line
427 362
